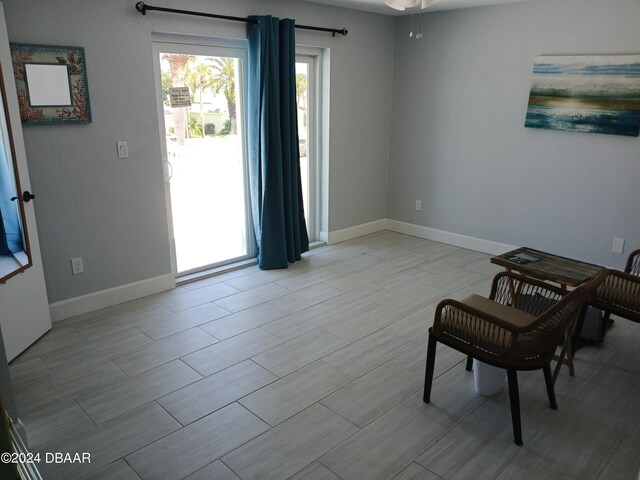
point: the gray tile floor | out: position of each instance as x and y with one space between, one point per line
316 372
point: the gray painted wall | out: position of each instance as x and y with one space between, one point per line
457 136
111 212
459 144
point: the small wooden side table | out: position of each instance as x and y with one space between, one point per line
550 268
566 272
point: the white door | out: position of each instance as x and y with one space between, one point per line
24 307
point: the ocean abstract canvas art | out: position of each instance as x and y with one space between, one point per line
594 93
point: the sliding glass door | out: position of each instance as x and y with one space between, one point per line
203 149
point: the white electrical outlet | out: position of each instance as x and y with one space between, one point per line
618 245
123 150
76 265
418 205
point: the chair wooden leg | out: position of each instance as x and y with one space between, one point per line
428 375
514 398
570 349
549 382
469 366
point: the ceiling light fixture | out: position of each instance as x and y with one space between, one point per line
402 5
413 5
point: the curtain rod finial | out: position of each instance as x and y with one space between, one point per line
141 7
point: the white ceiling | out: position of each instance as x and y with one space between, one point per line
378 6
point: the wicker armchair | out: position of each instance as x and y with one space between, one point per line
619 294
517 328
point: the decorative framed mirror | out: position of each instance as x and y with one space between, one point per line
51 83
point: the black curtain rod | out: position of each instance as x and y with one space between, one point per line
143 8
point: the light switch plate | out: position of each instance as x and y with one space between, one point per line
618 245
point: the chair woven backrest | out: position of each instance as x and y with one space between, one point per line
531 297
554 313
619 294
633 263
548 329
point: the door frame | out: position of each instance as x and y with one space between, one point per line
311 58
206 46
318 149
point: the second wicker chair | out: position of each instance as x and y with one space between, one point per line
619 294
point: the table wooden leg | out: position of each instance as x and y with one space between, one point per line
566 354
515 293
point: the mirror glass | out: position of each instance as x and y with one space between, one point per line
14 246
48 85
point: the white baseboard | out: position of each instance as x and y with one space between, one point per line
124 293
456 239
343 235
109 297
21 431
